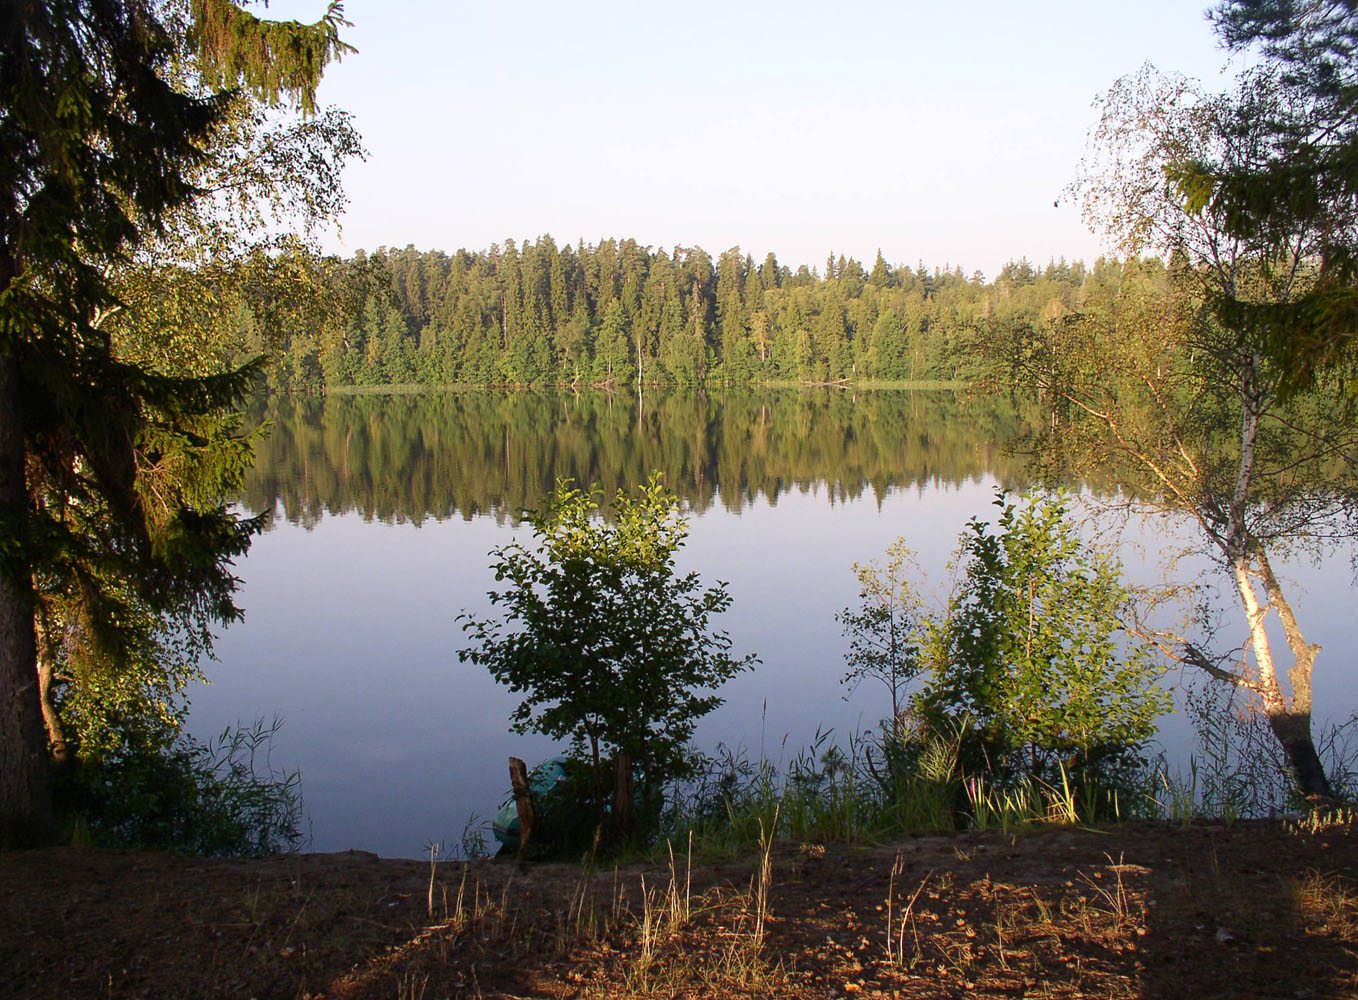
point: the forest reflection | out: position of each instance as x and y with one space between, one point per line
465 453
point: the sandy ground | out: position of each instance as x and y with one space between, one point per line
1257 910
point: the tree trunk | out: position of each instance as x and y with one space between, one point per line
25 783
1288 717
622 794
1293 731
597 775
1292 726
60 748
56 733
1289 714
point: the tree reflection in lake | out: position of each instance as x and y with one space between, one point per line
397 458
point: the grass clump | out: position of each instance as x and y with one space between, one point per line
222 798
895 781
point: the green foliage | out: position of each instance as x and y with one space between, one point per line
616 313
1298 177
223 798
117 446
1029 664
274 59
94 150
876 787
886 629
121 629
610 644
1219 402
115 668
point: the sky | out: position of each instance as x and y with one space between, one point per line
939 133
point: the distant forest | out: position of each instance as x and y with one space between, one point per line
618 313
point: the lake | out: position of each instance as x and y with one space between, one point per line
386 507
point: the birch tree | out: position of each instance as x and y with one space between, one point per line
1192 413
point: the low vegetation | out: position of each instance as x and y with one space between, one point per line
221 798
1020 707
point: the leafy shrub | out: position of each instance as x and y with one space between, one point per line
612 647
887 628
1029 665
221 798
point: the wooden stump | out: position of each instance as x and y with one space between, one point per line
622 793
523 799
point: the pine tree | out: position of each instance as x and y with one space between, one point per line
881 276
888 347
732 331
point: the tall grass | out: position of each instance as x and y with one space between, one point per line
224 797
872 788
897 780
1238 770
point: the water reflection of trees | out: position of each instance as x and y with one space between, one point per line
465 453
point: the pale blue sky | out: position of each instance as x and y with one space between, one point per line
938 132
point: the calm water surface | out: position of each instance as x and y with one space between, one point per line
387 506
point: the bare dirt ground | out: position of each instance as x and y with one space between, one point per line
1257 910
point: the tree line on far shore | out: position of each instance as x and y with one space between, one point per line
617 313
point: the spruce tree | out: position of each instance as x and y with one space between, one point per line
1301 103
98 144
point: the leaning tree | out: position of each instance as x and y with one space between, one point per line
1181 393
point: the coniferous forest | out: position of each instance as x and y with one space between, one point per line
618 313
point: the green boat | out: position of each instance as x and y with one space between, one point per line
542 782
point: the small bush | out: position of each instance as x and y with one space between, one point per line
1031 665
221 798
612 647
